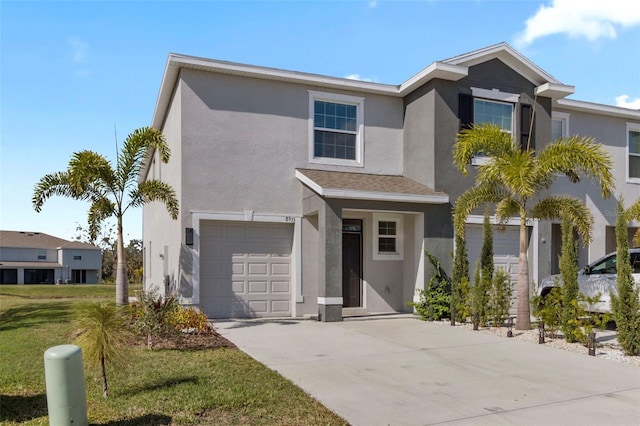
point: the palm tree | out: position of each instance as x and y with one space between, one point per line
102 336
112 191
515 178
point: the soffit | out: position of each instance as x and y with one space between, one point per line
363 186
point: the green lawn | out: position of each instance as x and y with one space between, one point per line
197 386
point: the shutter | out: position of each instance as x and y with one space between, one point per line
465 110
526 119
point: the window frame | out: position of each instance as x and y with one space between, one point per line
631 127
498 97
563 117
356 101
399 237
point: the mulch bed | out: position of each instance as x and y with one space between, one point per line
204 340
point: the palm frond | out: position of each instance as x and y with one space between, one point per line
506 209
90 168
566 207
486 139
100 209
155 190
633 211
577 155
472 199
136 150
50 185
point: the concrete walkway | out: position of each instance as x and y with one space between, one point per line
398 370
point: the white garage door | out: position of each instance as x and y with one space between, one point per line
506 248
245 269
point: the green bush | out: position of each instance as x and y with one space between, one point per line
435 300
549 310
499 298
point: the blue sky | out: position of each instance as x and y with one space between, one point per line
74 74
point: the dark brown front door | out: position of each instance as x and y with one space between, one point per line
351 263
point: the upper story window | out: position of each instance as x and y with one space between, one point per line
495 107
633 153
559 125
42 255
336 129
498 113
77 257
387 237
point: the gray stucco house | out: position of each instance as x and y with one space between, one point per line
304 194
37 258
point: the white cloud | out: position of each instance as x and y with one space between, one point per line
79 49
373 4
360 78
591 19
624 102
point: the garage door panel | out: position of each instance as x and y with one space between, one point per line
280 287
258 287
280 269
233 255
280 307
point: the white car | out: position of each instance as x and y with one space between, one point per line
598 277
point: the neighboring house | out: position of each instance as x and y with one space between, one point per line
303 194
37 258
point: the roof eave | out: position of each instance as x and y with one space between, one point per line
437 70
590 107
554 90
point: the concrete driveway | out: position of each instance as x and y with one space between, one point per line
398 370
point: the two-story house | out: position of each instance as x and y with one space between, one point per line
304 194
37 258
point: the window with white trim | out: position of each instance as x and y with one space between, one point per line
559 125
498 113
335 129
633 152
388 233
487 106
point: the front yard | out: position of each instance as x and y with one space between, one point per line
202 384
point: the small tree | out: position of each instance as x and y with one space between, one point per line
460 281
569 273
486 269
625 305
476 298
102 336
499 298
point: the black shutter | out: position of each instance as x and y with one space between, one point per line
526 119
465 110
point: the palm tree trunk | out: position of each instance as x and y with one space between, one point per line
104 377
122 285
523 315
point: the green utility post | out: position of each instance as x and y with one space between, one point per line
66 397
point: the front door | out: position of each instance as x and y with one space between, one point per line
351 263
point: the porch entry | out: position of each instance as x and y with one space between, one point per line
352 263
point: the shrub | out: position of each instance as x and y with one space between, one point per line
460 280
549 310
625 305
572 309
151 314
435 300
499 298
189 319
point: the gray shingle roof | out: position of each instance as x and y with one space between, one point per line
364 185
22 239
